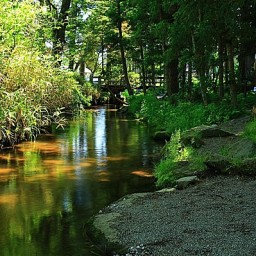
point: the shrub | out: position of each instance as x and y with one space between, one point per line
161 115
250 130
175 153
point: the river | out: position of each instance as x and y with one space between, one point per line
50 188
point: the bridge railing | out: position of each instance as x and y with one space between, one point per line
99 81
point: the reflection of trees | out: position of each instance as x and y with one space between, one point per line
61 183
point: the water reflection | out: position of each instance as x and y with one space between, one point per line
50 187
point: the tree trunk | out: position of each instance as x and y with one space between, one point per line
171 73
183 80
221 69
122 51
143 69
190 84
59 31
231 70
202 79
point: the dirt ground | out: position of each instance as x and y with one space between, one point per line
215 217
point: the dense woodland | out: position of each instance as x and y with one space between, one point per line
190 52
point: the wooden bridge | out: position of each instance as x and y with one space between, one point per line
116 88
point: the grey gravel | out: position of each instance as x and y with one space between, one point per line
214 217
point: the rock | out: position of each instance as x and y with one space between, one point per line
247 166
195 136
243 148
183 169
186 181
162 135
212 131
218 165
166 190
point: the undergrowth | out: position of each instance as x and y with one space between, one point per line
174 119
161 115
176 153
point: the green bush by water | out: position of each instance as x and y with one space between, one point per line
250 130
161 115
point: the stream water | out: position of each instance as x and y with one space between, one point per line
49 188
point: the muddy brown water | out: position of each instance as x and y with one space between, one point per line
49 188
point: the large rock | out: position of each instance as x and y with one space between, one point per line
185 168
243 148
184 182
195 136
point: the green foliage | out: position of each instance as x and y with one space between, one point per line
34 93
85 94
250 130
174 152
164 173
164 170
135 103
174 156
161 115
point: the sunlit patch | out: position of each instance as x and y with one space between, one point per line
65 168
85 164
39 177
54 161
7 176
104 180
112 110
41 146
103 176
103 173
102 164
143 173
9 158
116 158
8 199
6 170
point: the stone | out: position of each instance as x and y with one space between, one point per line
195 136
186 181
164 190
243 148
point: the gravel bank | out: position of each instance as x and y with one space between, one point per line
215 217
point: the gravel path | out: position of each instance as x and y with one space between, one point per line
215 217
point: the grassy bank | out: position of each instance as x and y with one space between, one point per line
175 119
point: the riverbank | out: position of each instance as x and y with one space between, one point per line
215 217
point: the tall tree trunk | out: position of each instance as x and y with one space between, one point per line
202 79
221 69
143 68
190 84
59 31
172 81
122 51
153 73
183 80
231 70
71 64
200 64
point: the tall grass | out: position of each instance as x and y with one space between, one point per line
32 94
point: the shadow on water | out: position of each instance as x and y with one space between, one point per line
49 188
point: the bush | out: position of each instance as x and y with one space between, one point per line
250 130
33 95
174 154
161 115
